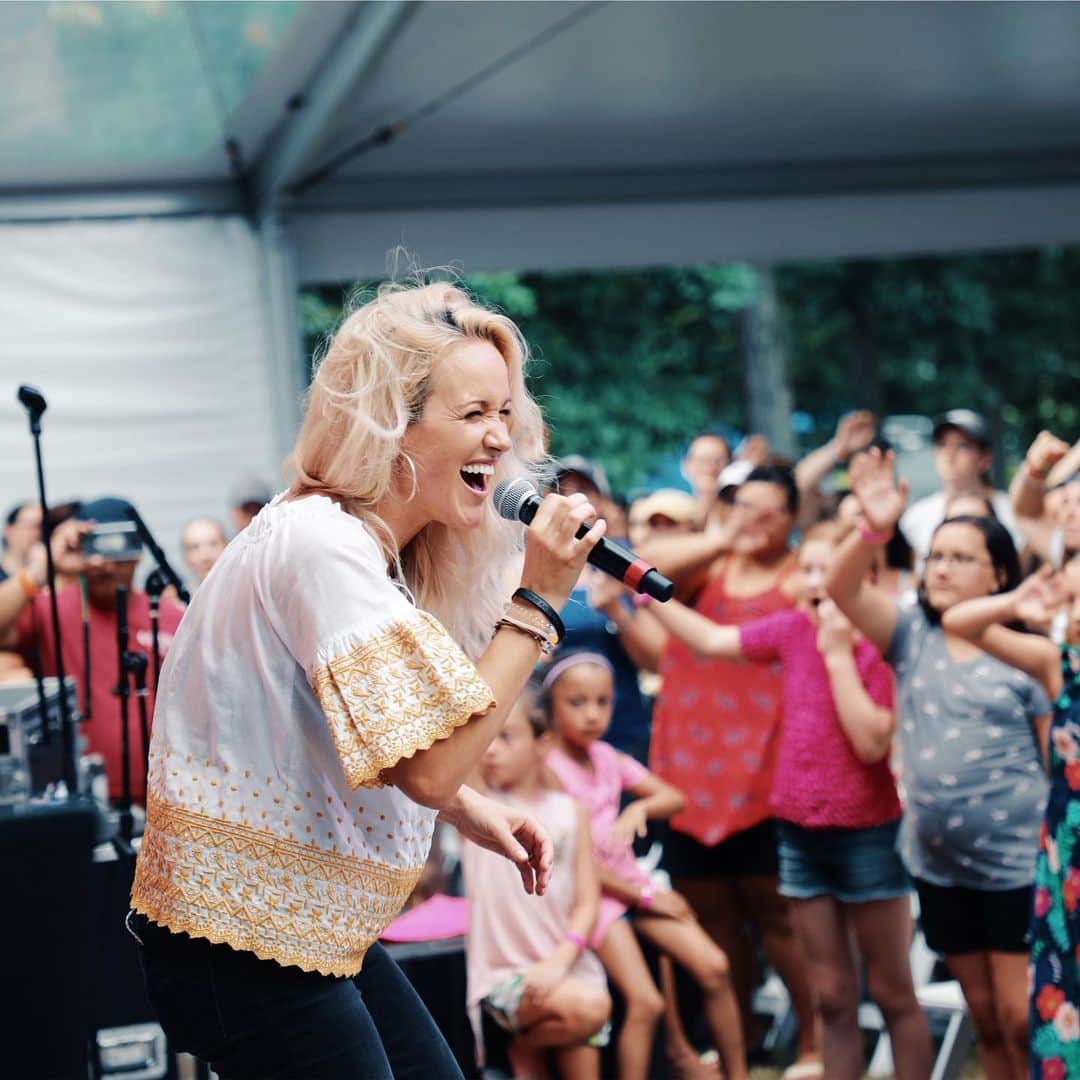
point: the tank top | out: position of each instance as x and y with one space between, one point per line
716 722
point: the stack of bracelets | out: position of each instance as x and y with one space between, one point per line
531 614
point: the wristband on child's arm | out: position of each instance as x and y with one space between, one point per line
645 900
576 940
870 537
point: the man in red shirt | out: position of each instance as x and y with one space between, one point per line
92 659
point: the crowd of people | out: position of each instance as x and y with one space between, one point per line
814 730
827 727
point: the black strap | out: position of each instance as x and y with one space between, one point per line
545 609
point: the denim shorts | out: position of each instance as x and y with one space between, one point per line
854 865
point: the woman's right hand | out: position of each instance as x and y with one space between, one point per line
881 497
553 554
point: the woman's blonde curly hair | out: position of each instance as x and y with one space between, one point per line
371 384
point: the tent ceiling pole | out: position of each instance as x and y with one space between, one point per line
369 29
87 204
284 339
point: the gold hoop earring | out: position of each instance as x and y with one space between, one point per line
415 478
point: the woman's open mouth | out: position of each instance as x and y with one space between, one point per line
477 477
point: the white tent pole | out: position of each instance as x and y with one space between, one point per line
284 338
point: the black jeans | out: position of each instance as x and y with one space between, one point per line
253 1019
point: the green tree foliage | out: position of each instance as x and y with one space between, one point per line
999 333
628 365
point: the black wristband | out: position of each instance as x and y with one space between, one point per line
545 609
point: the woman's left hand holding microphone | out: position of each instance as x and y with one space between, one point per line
554 556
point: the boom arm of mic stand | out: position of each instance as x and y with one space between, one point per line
147 538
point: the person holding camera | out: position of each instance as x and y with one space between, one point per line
96 550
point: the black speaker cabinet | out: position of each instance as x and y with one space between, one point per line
45 913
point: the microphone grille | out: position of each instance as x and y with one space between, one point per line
510 496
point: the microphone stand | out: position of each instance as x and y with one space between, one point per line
135 665
39 679
87 670
126 825
147 538
34 402
155 586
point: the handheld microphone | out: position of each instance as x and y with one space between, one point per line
518 500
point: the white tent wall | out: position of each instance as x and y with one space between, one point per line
336 246
161 359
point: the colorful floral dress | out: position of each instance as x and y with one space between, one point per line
1055 930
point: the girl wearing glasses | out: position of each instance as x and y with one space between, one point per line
971 733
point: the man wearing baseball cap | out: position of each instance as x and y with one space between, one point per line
962 457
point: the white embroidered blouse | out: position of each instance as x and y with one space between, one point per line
299 674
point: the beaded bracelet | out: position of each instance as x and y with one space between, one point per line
545 609
547 645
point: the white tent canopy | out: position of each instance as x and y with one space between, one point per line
564 107
164 180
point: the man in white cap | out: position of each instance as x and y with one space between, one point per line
963 455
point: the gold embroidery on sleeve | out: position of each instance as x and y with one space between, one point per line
396 694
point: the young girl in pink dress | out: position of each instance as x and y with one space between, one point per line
838 810
527 962
578 695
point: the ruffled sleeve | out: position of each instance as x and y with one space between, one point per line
389 679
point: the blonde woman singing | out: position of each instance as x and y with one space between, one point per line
339 674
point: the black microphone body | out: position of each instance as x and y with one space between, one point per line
512 501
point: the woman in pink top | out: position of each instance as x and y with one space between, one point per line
839 812
578 697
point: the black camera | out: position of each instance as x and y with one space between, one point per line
114 541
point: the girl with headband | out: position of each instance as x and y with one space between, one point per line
578 692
